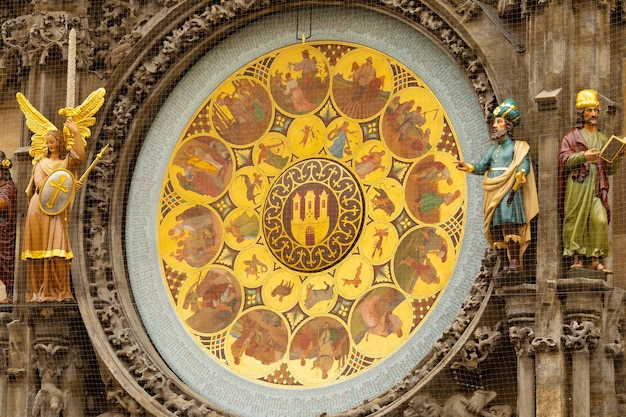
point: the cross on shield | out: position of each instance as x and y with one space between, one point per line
56 192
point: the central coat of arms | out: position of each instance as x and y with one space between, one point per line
313 215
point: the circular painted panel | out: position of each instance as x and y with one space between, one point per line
311 215
242 324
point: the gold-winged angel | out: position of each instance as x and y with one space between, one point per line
56 157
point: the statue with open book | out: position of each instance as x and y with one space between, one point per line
586 159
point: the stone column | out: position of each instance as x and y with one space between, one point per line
582 313
4 362
604 400
520 311
620 394
549 359
20 376
522 338
547 36
580 338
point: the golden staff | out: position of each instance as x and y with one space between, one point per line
93 164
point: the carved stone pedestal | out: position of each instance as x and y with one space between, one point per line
585 322
44 375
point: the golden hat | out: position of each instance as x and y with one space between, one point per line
587 98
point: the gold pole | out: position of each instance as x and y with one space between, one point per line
93 164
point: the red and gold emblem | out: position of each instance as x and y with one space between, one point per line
313 215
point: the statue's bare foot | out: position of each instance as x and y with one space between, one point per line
596 265
577 262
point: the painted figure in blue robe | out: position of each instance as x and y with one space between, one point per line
510 194
340 143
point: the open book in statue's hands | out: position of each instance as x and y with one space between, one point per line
613 149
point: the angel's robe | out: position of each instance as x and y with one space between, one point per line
46 245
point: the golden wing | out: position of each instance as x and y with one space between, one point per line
37 124
83 115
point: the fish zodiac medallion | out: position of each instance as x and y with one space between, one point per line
313 215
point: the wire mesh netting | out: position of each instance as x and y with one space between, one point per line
296 208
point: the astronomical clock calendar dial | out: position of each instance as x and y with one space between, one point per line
311 215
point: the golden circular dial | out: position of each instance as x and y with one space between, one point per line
311 215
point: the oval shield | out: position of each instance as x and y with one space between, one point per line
56 192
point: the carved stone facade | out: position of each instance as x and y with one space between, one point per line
565 343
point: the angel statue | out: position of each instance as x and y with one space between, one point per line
56 157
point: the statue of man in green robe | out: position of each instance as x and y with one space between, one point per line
584 187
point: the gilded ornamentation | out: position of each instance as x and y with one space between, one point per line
139 85
309 217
